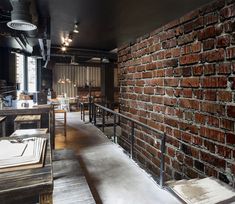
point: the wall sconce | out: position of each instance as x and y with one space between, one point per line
75 29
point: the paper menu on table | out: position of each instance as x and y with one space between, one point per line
9 149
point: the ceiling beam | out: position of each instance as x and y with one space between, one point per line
85 53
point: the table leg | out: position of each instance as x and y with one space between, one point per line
46 198
3 128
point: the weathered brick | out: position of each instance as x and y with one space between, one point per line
190 104
230 138
231 111
199 165
211 18
171 82
227 12
195 24
190 82
213 56
227 124
223 41
209 32
208 44
148 90
188 38
169 44
189 59
209 69
210 95
214 82
225 96
213 108
147 75
197 70
200 118
224 68
213 160
170 101
230 53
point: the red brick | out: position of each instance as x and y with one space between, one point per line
223 41
200 118
171 82
212 134
214 82
187 93
209 146
230 138
195 24
186 137
186 71
211 18
213 160
210 95
148 90
197 70
206 33
139 82
224 151
170 92
159 73
227 124
170 101
196 47
213 121
155 82
137 75
208 44
189 16
190 82
147 75
190 104
230 53
231 111
214 6
157 99
198 94
189 59
171 122
225 96
213 108
169 44
213 56
138 90
209 69
232 82
224 68
159 91
227 12
188 38
176 52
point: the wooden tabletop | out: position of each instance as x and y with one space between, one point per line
17 185
24 118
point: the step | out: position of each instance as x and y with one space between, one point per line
203 191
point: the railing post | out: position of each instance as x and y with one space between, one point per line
114 129
94 113
132 138
162 167
103 119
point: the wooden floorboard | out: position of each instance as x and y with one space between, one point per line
70 185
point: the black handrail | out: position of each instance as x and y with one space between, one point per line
133 122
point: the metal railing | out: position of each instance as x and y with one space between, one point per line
105 110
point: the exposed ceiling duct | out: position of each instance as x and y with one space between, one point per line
21 18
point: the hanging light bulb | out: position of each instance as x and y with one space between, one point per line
63 48
70 37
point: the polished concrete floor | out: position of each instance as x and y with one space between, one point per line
112 176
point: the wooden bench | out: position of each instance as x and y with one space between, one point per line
27 119
3 124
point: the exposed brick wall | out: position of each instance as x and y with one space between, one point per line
180 79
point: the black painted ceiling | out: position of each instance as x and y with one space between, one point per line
106 24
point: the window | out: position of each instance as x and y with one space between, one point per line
20 79
32 74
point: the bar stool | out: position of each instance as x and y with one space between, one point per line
64 119
3 124
27 119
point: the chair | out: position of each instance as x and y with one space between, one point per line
63 118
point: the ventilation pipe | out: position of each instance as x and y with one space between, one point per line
21 18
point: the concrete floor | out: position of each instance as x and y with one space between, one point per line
112 176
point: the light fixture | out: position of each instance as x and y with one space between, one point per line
70 37
20 16
63 48
75 29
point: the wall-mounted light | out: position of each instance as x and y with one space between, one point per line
75 29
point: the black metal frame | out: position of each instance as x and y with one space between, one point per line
93 111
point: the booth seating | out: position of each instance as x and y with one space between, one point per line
61 115
3 124
27 119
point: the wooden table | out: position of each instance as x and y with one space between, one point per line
18 185
33 110
29 132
